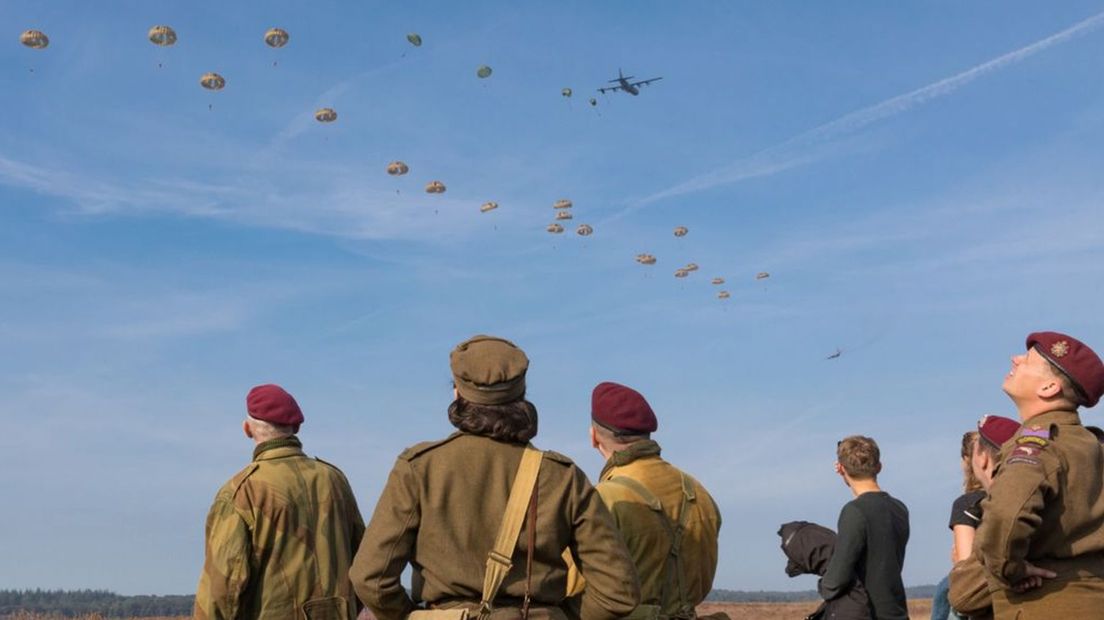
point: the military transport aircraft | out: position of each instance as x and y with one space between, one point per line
623 84
833 356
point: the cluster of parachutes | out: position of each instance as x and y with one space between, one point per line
562 208
689 268
164 36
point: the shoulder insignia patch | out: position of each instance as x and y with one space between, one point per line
1031 440
1027 453
421 448
1035 431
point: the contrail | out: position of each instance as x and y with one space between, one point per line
811 145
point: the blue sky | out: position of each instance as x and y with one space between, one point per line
920 179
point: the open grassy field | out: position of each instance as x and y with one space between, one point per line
919 609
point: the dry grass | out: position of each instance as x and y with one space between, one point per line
919 609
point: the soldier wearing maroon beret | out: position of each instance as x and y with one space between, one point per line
282 533
1042 538
668 520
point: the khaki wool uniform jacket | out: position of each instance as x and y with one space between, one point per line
1046 507
281 535
648 534
440 512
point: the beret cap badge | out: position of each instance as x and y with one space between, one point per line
1060 348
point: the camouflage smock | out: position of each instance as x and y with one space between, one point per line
440 512
281 533
648 534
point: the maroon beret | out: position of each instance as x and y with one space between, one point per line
622 409
1075 360
997 429
273 404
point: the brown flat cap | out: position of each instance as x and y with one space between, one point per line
489 370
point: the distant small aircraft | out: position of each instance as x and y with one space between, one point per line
623 84
835 355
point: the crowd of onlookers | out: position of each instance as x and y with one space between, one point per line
489 526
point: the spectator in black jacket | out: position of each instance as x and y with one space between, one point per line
808 547
873 531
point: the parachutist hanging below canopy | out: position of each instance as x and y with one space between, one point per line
325 115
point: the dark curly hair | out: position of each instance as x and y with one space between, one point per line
514 422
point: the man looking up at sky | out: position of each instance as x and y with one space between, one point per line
668 520
1042 537
281 533
872 533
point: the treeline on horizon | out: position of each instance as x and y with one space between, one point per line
107 603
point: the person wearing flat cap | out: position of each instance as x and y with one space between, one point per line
281 534
667 518
1042 538
441 510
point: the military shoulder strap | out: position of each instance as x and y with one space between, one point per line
675 531
499 560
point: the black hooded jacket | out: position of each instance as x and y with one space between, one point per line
808 547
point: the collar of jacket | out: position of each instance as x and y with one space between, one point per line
637 450
278 448
1054 417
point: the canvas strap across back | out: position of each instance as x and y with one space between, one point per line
675 531
499 560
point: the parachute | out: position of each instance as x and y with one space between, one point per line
681 231
584 230
415 39
397 168
762 275
212 81
645 259
276 37
566 92
163 36
488 206
483 72
563 215
718 281
555 229
723 295
562 203
435 187
681 273
691 267
34 39
325 115
593 101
